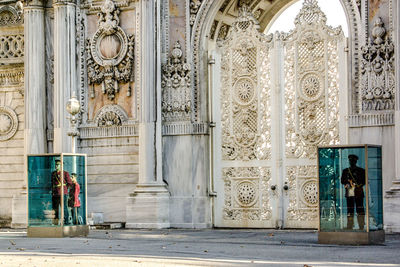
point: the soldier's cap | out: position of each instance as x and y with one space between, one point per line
352 156
57 160
73 174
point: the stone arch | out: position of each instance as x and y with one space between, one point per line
200 36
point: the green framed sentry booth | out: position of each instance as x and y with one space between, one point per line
57 195
350 194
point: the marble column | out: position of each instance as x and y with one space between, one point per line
35 98
65 74
392 197
148 205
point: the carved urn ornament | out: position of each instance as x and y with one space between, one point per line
110 53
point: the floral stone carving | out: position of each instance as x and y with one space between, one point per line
111 115
110 53
8 123
377 72
176 102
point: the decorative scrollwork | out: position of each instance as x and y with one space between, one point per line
10 15
176 103
311 118
8 123
111 115
377 79
246 119
110 52
194 8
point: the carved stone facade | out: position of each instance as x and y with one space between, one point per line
193 94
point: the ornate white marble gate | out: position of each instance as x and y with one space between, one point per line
275 99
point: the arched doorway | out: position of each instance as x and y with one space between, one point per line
274 100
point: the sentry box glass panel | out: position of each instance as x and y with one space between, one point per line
350 194
57 195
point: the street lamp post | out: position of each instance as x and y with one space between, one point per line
73 108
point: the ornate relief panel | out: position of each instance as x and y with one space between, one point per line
377 81
245 93
303 196
246 194
110 53
311 69
176 97
311 83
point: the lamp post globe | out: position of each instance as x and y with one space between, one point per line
73 106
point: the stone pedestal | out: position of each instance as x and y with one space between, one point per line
392 208
148 207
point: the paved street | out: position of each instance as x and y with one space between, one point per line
210 247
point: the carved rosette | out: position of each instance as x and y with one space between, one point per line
377 79
8 123
176 97
110 115
245 100
246 194
110 53
311 117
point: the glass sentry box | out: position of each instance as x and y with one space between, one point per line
57 195
350 195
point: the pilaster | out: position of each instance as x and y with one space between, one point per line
392 197
65 75
148 206
34 97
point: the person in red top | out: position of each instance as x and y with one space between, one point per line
73 200
56 180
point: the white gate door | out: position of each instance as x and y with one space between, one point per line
275 99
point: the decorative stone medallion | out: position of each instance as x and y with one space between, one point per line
244 91
246 193
311 88
309 193
8 123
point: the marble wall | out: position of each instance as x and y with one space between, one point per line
186 171
113 171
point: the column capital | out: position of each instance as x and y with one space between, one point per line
64 2
34 3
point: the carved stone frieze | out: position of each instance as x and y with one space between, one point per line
110 53
8 123
111 115
11 15
176 101
12 77
377 81
246 193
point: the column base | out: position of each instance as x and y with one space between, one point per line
148 207
19 211
392 208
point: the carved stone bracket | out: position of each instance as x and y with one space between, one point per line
176 103
110 53
377 79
